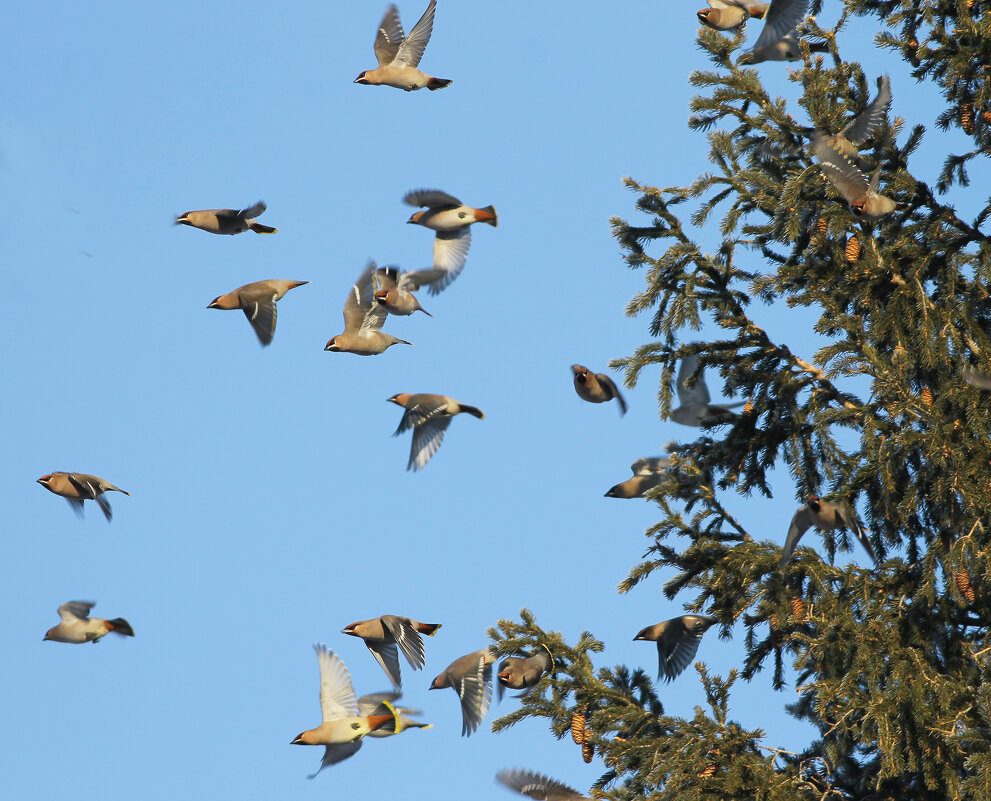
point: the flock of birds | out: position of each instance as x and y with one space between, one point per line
383 291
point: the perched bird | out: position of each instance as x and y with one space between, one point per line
369 704
861 195
778 40
398 55
677 641
694 408
516 673
383 634
343 725
858 130
538 786
77 626
471 678
79 487
647 474
428 416
725 15
976 378
826 516
227 221
363 319
394 290
257 301
596 387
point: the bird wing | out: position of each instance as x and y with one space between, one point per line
262 314
389 37
851 522
367 704
674 653
536 785
649 466
360 301
385 278
430 198
337 698
419 413
866 123
976 378
75 610
697 394
800 523
387 656
407 638
606 381
252 211
337 752
840 170
475 691
427 438
450 254
411 50
412 281
83 485
780 20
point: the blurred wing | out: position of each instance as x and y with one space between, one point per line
84 487
605 380
536 785
475 691
252 211
430 198
359 300
387 656
650 466
261 313
407 638
389 37
851 522
385 279
781 19
335 753
450 254
427 438
675 653
799 525
698 394
374 318
414 280
411 50
841 171
73 610
367 704
976 378
866 123
337 698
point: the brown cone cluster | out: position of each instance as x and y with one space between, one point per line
852 248
962 580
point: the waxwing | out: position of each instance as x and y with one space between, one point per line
382 634
227 221
363 319
79 487
77 626
428 416
398 55
677 641
827 517
471 678
257 301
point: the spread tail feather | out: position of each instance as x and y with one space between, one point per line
258 228
121 626
472 410
494 220
438 83
430 629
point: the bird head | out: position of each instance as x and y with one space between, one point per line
361 78
44 480
703 15
215 303
813 502
350 630
581 373
183 219
400 398
303 738
332 346
415 218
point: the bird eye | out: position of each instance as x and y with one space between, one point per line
355 726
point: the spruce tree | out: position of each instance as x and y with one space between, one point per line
890 660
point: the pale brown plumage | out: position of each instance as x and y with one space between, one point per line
537 786
257 301
677 641
827 517
470 676
227 221
394 289
647 474
363 319
522 673
725 15
383 634
398 55
77 626
429 416
79 487
596 387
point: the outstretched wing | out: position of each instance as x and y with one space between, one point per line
800 523
337 698
411 50
866 123
389 37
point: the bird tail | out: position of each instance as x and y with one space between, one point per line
818 47
430 629
487 215
472 410
258 228
438 83
121 626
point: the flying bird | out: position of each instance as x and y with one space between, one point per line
77 626
383 634
778 40
858 130
394 289
596 387
471 678
861 195
79 487
694 408
725 15
363 319
827 517
538 786
428 416
257 301
372 704
398 55
227 221
677 642
976 378
647 474
343 723
516 673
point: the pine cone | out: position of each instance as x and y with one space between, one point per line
986 116
852 248
798 608
927 397
967 118
962 579
578 730
588 751
822 227
710 770
748 407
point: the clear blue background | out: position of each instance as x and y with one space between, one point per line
270 504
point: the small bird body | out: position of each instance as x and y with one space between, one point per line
538 786
677 641
383 634
374 703
976 378
778 40
861 195
394 289
79 487
343 725
517 673
647 474
694 408
429 416
858 130
596 387
471 678
363 319
77 626
827 517
227 221
398 55
257 301
725 15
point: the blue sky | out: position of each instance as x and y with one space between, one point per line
271 506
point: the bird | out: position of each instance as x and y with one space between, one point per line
861 195
363 319
77 626
257 301
827 517
538 786
725 15
976 378
429 416
647 474
227 221
394 289
398 55
471 678
79 487
383 634
370 704
516 673
677 641
343 724
694 408
778 40
596 387
858 130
